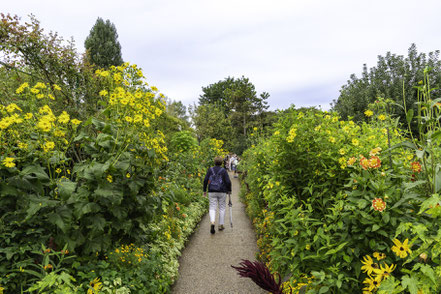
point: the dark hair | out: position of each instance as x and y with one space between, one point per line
218 160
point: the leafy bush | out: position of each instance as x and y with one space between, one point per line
325 194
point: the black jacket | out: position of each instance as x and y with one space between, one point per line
226 183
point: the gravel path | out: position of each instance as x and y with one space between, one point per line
205 264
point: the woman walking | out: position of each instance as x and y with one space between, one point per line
218 184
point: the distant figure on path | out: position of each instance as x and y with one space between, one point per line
219 185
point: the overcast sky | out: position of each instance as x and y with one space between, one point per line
300 52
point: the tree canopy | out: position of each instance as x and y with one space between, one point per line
242 109
394 78
102 46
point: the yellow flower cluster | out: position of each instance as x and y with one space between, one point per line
129 254
376 272
292 134
369 113
8 162
264 241
294 285
217 147
39 90
132 106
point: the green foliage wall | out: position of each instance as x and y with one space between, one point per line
314 191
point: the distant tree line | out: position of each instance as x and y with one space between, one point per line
394 77
229 110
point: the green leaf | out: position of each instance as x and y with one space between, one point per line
386 217
56 219
109 193
66 188
410 283
420 154
428 271
37 170
335 250
33 208
402 227
324 289
409 116
375 227
429 203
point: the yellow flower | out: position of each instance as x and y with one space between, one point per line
35 91
342 151
291 135
379 256
372 283
45 110
75 121
369 113
103 93
9 162
355 142
384 272
128 175
44 125
51 96
138 118
154 89
56 87
58 170
95 286
64 117
104 73
40 85
109 178
12 107
28 115
374 151
22 145
381 117
332 139
21 88
40 96
352 160
48 146
128 119
59 133
367 264
401 249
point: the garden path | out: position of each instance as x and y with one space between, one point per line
205 264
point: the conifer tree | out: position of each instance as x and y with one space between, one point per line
102 46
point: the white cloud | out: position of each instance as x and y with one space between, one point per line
306 48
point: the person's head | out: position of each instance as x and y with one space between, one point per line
218 160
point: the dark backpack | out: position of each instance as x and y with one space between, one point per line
215 181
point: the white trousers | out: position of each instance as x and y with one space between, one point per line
217 199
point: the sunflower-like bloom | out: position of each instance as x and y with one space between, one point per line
378 204
95 286
368 265
379 256
372 283
401 249
385 271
